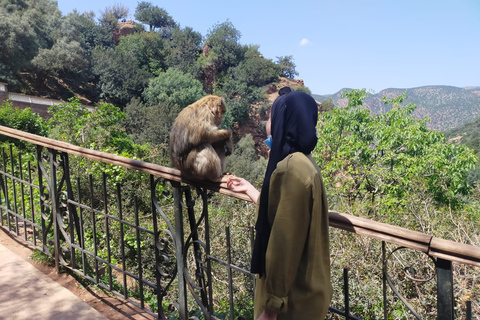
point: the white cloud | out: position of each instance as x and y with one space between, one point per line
304 42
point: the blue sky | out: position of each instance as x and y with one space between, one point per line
371 44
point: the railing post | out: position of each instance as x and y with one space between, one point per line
347 293
384 280
179 251
444 289
54 197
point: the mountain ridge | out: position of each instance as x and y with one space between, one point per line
446 106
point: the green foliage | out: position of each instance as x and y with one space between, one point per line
183 50
327 105
21 119
102 129
83 29
304 89
147 47
174 88
166 95
120 76
64 57
244 162
26 26
223 39
287 67
145 125
153 16
255 70
42 258
383 158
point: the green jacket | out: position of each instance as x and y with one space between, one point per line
296 283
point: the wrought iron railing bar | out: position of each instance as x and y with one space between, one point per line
19 180
139 253
32 210
230 281
346 293
207 249
384 280
75 225
156 236
42 200
193 237
225 263
14 188
469 310
20 217
122 241
5 188
94 227
22 193
55 214
179 251
82 232
342 313
107 229
99 212
445 299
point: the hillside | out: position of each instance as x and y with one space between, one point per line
467 134
446 106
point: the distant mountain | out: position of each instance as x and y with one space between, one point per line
446 106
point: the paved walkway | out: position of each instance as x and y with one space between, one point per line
27 293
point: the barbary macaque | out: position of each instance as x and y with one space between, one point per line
197 147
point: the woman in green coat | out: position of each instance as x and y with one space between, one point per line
291 254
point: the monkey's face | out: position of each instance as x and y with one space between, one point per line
218 110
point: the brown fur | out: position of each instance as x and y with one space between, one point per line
197 147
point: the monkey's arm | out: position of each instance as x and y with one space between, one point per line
219 135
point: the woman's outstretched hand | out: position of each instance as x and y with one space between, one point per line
243 186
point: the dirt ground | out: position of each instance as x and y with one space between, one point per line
111 307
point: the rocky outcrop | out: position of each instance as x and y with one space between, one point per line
123 29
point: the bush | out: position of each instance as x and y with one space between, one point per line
244 163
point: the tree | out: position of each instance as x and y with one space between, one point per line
117 11
223 39
166 95
153 16
287 67
255 70
148 48
64 57
120 76
183 50
174 88
25 27
383 158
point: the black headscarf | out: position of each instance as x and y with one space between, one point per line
294 118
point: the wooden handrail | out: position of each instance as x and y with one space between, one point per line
146 167
435 247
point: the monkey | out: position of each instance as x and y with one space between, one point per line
197 147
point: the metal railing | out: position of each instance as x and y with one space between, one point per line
151 241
